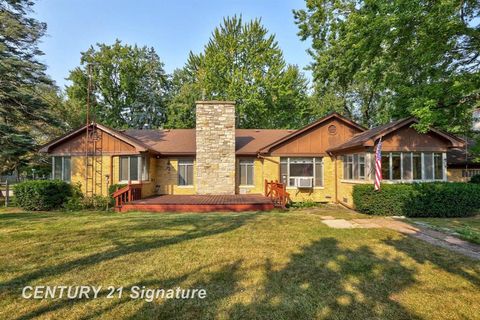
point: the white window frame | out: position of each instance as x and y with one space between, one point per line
422 160
185 162
350 159
315 160
63 169
247 163
143 163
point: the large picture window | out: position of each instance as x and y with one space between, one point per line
133 168
413 166
354 167
185 172
302 172
245 172
61 168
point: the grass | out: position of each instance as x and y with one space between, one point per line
465 228
274 265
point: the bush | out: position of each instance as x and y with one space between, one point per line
112 189
475 178
115 187
304 204
42 194
88 203
439 199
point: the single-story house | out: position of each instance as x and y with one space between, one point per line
320 162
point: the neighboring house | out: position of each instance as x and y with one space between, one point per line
462 164
320 162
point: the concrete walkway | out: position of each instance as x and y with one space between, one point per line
437 238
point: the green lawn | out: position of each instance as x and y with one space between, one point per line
277 265
466 228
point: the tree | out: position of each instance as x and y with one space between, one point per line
130 86
242 62
22 106
377 60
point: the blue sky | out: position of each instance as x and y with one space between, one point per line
173 28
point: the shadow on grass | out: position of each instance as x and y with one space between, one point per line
330 282
420 252
323 280
198 227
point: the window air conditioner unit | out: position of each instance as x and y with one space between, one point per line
305 182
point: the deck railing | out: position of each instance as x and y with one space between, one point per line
277 192
130 192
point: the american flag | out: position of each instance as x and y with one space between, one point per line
378 165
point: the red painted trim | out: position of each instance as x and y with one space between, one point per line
195 207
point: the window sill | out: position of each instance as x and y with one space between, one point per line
185 187
246 186
300 188
355 181
410 181
133 182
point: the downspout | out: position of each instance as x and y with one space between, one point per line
336 180
111 173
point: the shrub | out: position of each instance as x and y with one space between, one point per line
42 194
304 204
115 187
112 189
439 199
475 178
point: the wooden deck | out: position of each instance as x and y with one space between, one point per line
200 203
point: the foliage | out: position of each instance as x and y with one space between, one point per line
475 178
114 187
304 204
78 201
242 62
23 109
469 234
439 199
96 202
377 60
130 86
42 194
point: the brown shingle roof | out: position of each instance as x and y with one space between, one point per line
182 141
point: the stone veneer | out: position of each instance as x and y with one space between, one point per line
215 140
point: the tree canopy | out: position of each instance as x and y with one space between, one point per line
376 60
242 62
130 86
23 109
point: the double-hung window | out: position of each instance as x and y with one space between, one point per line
354 167
61 168
133 168
302 172
185 172
245 172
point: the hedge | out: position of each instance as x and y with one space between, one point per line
439 199
42 194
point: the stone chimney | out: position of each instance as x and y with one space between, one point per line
215 139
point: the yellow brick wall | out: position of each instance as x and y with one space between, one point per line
318 194
345 188
258 182
78 164
78 174
271 171
455 175
167 177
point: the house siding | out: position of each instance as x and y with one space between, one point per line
167 177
